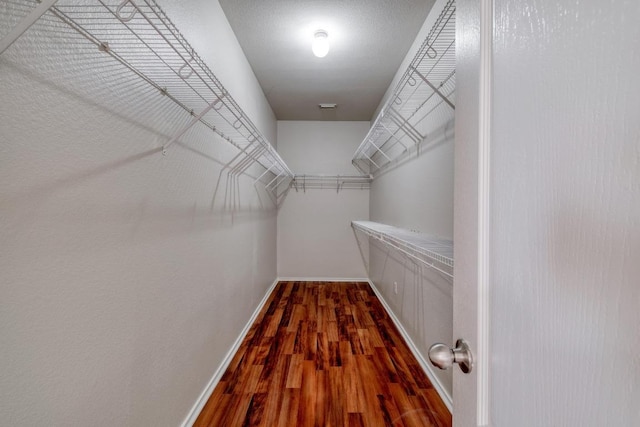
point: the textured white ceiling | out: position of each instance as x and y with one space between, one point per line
369 39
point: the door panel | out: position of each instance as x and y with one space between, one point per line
563 248
565 207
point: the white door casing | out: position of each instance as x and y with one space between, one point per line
470 311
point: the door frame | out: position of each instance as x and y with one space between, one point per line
471 317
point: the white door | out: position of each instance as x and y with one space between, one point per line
547 214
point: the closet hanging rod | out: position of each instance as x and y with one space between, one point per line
336 182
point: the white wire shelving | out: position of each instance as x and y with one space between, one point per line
422 101
331 182
432 251
138 35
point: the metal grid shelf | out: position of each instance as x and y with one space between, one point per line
139 35
332 182
422 101
432 251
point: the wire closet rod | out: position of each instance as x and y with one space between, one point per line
336 182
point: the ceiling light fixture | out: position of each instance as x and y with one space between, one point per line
320 45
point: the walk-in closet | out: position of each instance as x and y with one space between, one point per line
325 213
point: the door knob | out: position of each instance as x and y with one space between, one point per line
444 357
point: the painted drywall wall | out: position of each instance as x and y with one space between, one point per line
416 193
125 280
315 238
565 210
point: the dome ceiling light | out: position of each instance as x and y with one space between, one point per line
320 45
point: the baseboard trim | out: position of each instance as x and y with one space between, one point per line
426 366
323 279
206 393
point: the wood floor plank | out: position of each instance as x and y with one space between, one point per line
294 376
288 342
307 410
355 420
350 373
332 330
274 322
273 384
439 412
324 354
337 410
390 413
211 414
289 408
371 413
322 398
256 409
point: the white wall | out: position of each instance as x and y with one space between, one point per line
315 238
124 280
417 193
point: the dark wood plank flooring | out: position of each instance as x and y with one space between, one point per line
324 354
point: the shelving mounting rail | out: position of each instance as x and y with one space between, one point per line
434 252
422 101
140 36
333 182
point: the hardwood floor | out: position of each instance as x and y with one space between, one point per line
324 354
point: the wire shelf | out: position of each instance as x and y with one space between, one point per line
138 35
332 182
432 251
422 101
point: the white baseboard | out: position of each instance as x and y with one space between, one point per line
323 279
426 366
206 393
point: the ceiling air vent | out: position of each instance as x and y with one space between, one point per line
327 106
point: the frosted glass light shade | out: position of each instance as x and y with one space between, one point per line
320 45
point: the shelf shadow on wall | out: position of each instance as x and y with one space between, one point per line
438 137
83 98
435 277
232 171
166 115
